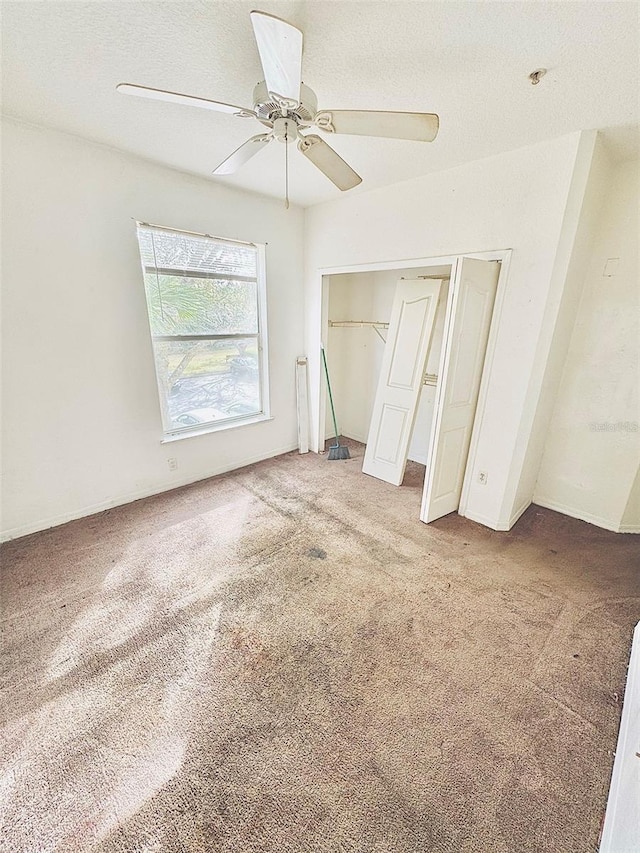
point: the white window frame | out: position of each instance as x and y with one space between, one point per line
189 431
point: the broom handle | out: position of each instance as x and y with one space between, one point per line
326 373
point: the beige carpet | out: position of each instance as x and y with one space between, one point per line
286 659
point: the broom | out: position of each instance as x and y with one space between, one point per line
336 451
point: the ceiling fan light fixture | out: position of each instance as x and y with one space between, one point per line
285 130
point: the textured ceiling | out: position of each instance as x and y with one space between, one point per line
467 61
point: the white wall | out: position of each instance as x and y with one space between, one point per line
515 200
355 354
351 354
592 453
584 201
81 415
630 522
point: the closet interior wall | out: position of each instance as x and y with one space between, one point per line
354 354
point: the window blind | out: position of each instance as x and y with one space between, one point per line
175 253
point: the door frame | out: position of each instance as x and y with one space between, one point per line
322 285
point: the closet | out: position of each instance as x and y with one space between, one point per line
406 350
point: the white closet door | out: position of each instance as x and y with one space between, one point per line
474 291
405 353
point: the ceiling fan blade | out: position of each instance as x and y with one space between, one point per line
177 98
241 155
329 161
422 127
280 49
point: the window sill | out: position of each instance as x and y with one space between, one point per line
213 427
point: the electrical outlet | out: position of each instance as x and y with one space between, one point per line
611 268
483 477
172 462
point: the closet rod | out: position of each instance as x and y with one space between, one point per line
436 277
350 324
429 378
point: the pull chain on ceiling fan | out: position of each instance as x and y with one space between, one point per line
286 107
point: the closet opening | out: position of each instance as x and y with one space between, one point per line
358 325
406 351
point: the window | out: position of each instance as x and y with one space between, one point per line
206 304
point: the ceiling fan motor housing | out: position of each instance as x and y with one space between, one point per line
267 110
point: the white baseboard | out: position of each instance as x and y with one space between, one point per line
606 523
629 528
621 829
331 436
485 520
516 515
357 436
421 459
121 500
498 524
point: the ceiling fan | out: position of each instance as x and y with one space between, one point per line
287 107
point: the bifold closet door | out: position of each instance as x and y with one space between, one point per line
401 375
474 291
